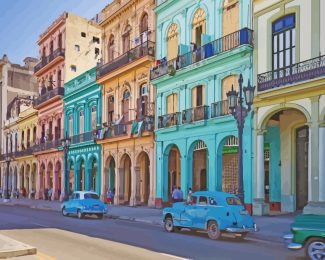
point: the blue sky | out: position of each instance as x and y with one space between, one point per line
22 21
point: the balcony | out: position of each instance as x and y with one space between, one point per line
26 152
48 95
147 48
84 137
48 145
169 120
113 131
302 71
195 114
148 124
220 109
10 155
221 45
46 60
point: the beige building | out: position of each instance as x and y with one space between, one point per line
128 101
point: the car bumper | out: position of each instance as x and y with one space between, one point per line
90 211
242 230
291 245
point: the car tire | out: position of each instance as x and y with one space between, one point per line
79 214
169 224
312 245
100 215
64 213
213 230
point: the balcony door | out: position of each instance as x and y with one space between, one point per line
125 106
126 39
283 46
110 109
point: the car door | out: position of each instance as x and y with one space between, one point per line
69 204
188 215
201 211
76 202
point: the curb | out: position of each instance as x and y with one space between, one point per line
19 248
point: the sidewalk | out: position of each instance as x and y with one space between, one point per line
13 248
272 228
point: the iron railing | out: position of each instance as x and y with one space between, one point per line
169 120
48 95
226 43
295 73
220 109
46 146
148 124
112 131
195 114
46 60
26 152
84 137
146 48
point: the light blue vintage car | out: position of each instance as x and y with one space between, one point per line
84 203
215 212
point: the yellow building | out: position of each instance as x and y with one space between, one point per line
127 136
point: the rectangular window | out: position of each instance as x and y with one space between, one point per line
81 122
199 96
96 39
93 118
96 51
77 48
110 108
73 68
70 125
83 34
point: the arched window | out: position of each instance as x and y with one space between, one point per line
172 103
172 41
227 83
198 96
142 102
126 38
111 48
110 108
230 17
81 122
283 45
70 124
125 105
144 23
198 26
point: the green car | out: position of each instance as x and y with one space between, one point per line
308 231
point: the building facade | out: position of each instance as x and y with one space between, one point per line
202 48
127 136
69 47
82 113
289 68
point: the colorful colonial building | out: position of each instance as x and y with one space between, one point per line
289 116
202 47
69 47
127 138
82 113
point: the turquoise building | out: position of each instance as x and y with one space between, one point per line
202 47
82 114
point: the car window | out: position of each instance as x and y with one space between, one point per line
203 201
193 199
233 201
212 201
73 196
91 196
77 196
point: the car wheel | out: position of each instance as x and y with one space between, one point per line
315 248
213 230
64 212
79 214
169 224
100 216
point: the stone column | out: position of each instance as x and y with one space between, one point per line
119 196
321 147
30 181
151 201
259 206
134 179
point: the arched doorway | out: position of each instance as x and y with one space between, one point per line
42 181
57 180
174 171
27 177
33 181
125 179
81 177
143 178
283 158
110 179
15 178
71 177
199 156
22 177
49 177
93 174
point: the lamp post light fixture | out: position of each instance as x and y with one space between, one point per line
240 112
65 145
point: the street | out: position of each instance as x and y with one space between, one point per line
58 237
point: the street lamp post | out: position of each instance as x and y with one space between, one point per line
65 144
240 112
7 196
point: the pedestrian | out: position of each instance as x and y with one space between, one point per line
46 190
17 193
50 194
181 195
109 196
32 193
189 196
0 192
175 195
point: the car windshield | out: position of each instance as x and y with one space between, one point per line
91 196
233 201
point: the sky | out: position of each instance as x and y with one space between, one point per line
22 21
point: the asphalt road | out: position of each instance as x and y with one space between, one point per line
58 237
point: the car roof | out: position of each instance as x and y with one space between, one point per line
85 191
218 194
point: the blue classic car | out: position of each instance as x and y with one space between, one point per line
84 203
215 212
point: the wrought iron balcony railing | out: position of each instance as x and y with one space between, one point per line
195 114
226 43
48 95
26 152
220 109
302 71
46 146
148 124
113 131
84 137
146 48
169 120
46 60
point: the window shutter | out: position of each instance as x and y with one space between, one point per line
145 105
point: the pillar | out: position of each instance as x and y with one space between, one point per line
259 206
151 202
321 163
134 181
212 170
